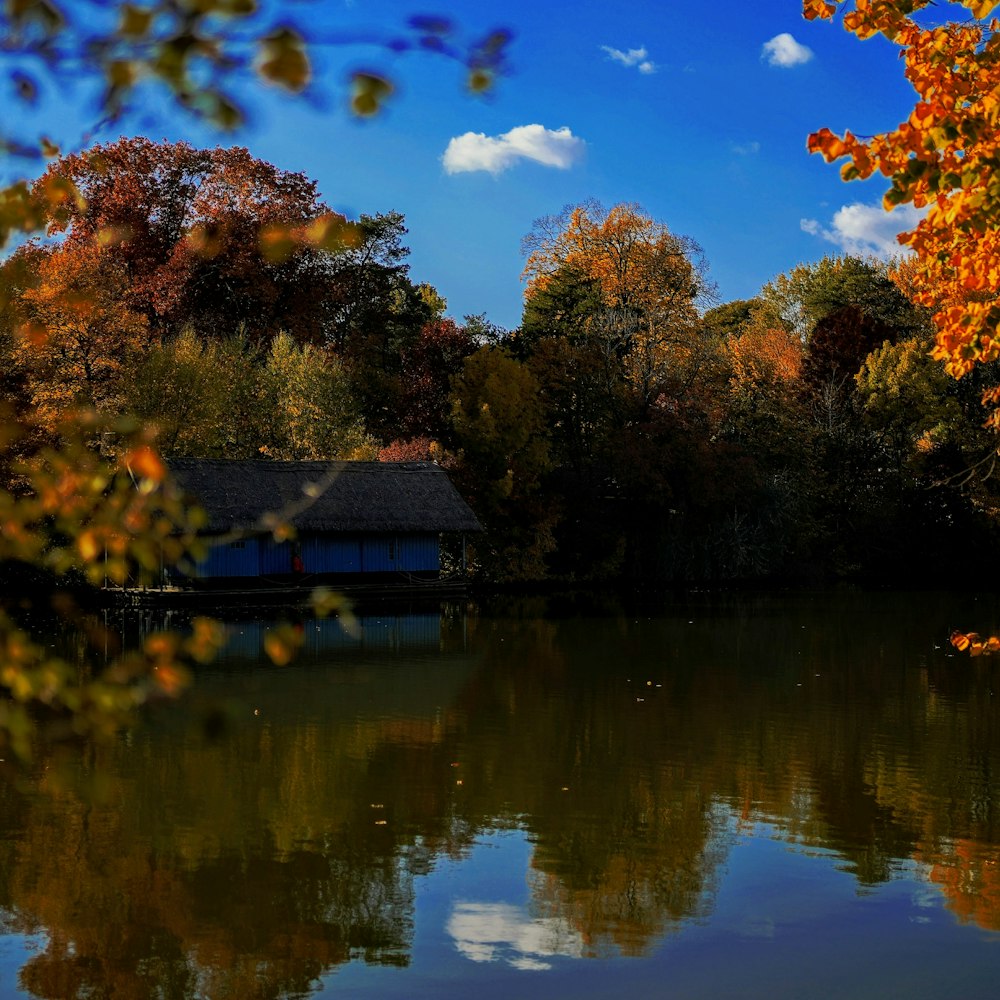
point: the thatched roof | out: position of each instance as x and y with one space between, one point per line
325 496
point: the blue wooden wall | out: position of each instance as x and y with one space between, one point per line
404 553
263 556
240 558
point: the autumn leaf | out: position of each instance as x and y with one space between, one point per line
284 60
369 93
144 461
282 643
942 158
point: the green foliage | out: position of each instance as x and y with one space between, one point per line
313 415
227 398
499 427
730 317
200 396
907 395
809 292
563 307
498 419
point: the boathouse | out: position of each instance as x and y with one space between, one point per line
349 518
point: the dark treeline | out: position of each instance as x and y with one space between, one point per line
631 430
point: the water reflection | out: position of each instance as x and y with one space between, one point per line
492 932
633 751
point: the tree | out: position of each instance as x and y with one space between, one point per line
202 397
77 334
212 239
428 366
378 316
908 396
941 159
612 331
371 275
313 413
810 292
500 430
636 261
648 282
228 398
838 345
730 317
932 428
560 307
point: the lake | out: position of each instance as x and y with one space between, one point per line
786 795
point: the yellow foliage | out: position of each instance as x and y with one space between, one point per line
650 282
638 262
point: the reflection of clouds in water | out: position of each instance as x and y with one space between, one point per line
923 896
756 927
494 932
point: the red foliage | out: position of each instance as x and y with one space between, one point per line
427 368
839 345
186 224
408 450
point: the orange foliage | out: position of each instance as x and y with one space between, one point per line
975 643
968 873
942 159
764 354
649 280
76 333
637 261
214 239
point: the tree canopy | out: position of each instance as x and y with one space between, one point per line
211 238
942 160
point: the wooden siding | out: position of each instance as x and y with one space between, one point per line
400 554
263 556
241 558
275 557
331 555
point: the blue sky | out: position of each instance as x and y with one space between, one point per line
699 112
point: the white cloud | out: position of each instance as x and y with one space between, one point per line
475 151
866 229
632 57
746 148
784 51
498 932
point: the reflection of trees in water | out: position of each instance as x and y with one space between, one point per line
167 866
627 838
232 928
643 891
629 749
835 721
128 918
968 873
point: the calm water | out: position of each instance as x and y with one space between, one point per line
791 796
